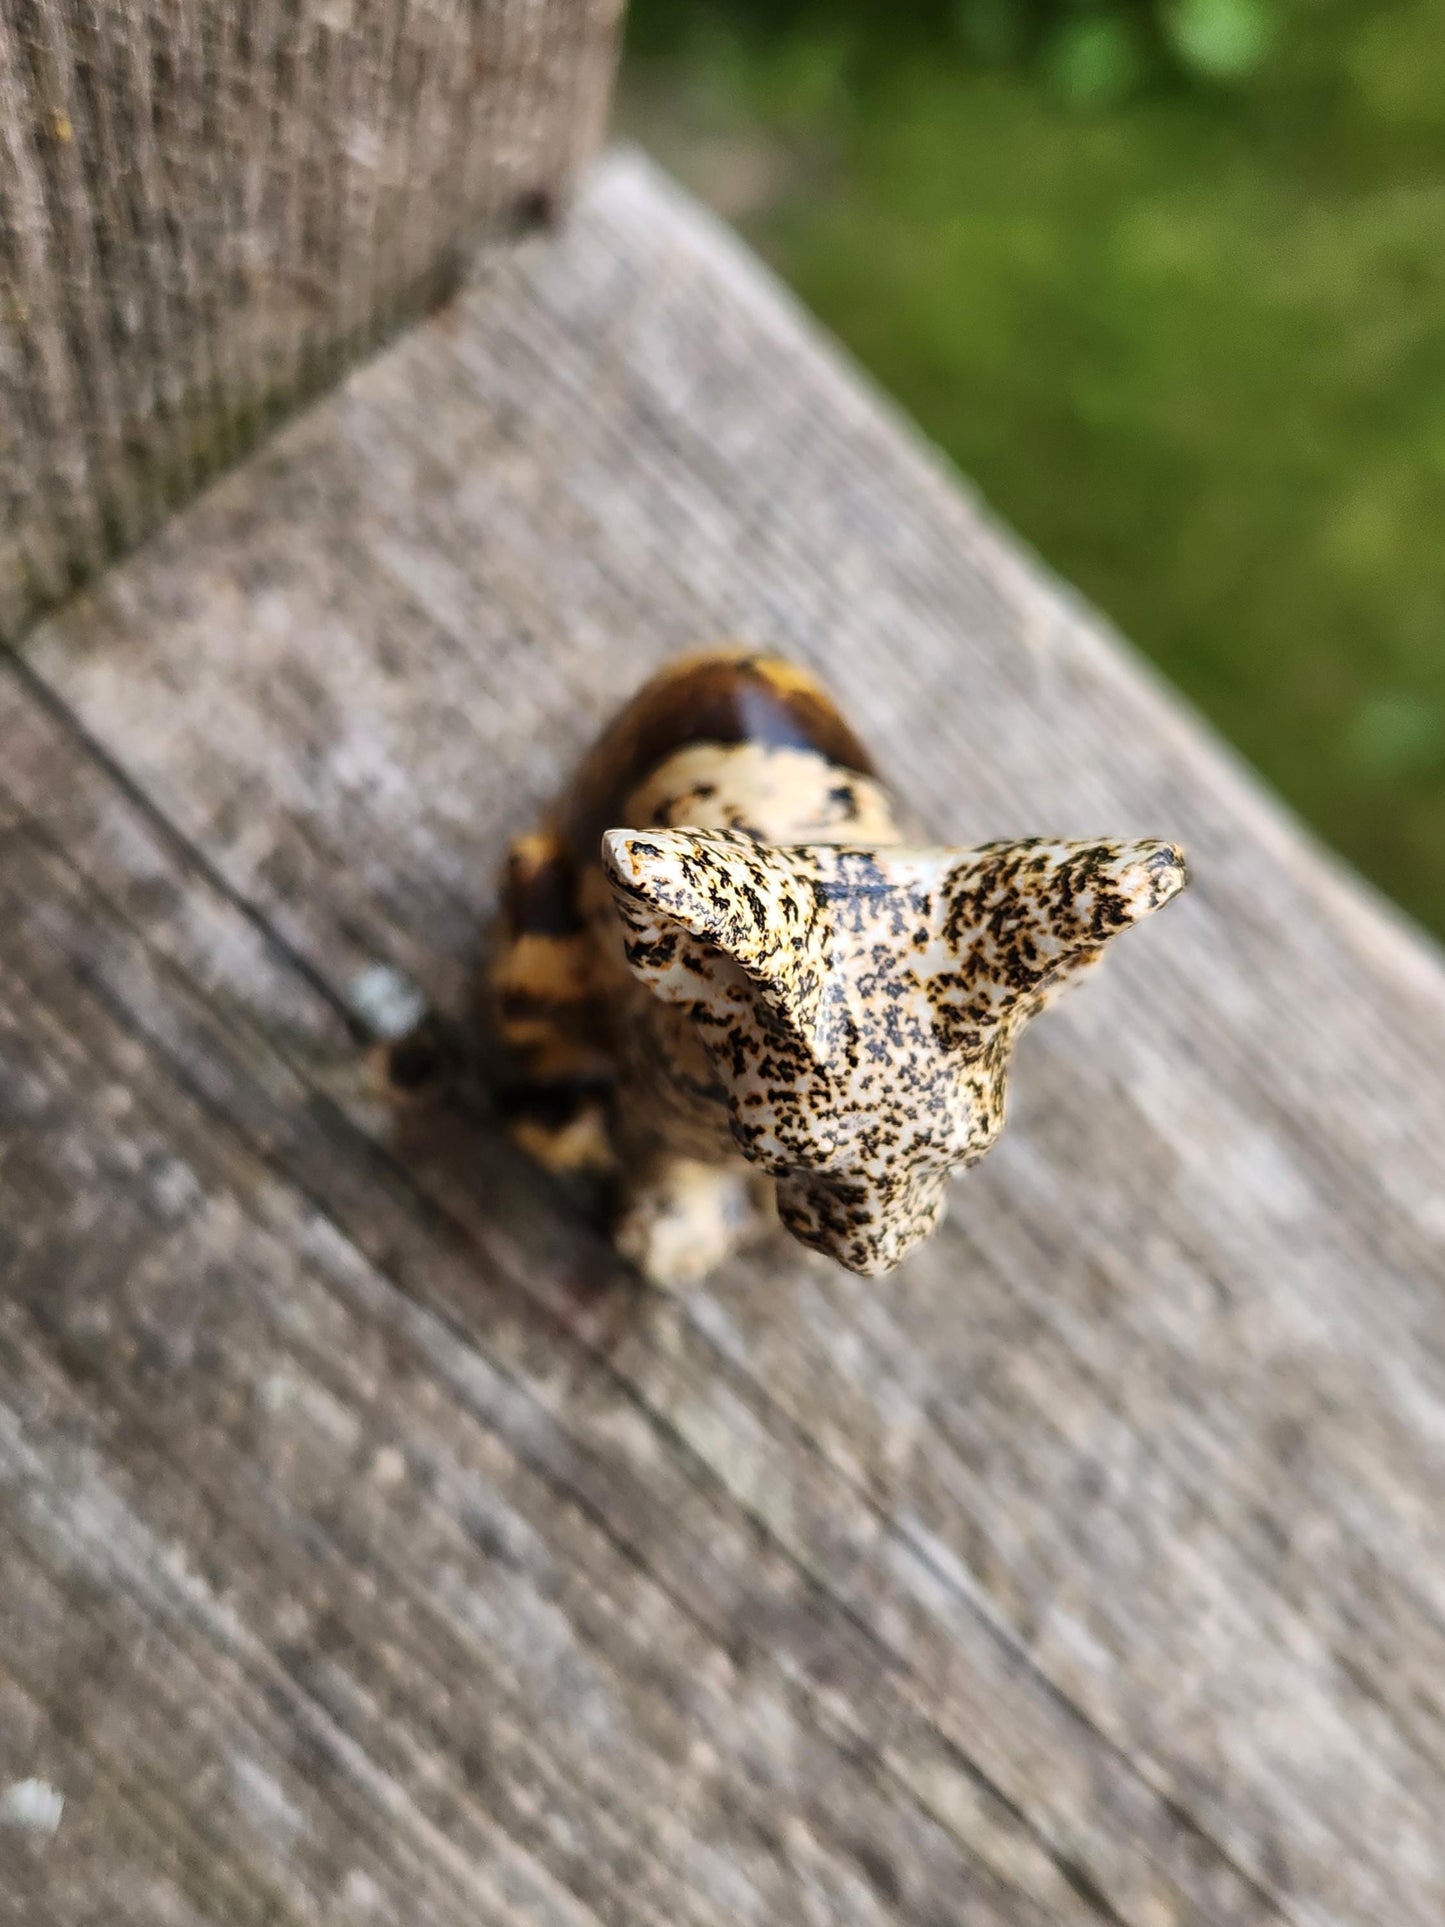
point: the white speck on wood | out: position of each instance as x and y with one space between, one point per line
386 1001
32 1806
264 1800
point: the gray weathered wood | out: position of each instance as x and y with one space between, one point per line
370 1548
206 208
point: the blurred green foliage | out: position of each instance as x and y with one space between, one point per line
1098 49
1167 278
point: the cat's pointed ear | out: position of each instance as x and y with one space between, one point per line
710 917
1021 919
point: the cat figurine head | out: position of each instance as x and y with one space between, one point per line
858 1005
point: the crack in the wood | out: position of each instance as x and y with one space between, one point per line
172 837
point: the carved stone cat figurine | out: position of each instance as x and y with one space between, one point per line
731 982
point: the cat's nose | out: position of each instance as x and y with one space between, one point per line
864 1223
898 1229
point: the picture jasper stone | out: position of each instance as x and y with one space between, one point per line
730 981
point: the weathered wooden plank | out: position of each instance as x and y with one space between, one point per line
540 1587
206 208
1014 1725
1089 1569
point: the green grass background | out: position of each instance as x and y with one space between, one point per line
1184 324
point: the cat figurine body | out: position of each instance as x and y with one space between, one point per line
731 979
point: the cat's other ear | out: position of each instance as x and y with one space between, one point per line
711 916
1021 919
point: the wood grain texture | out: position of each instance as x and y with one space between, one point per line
207 207
371 1548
